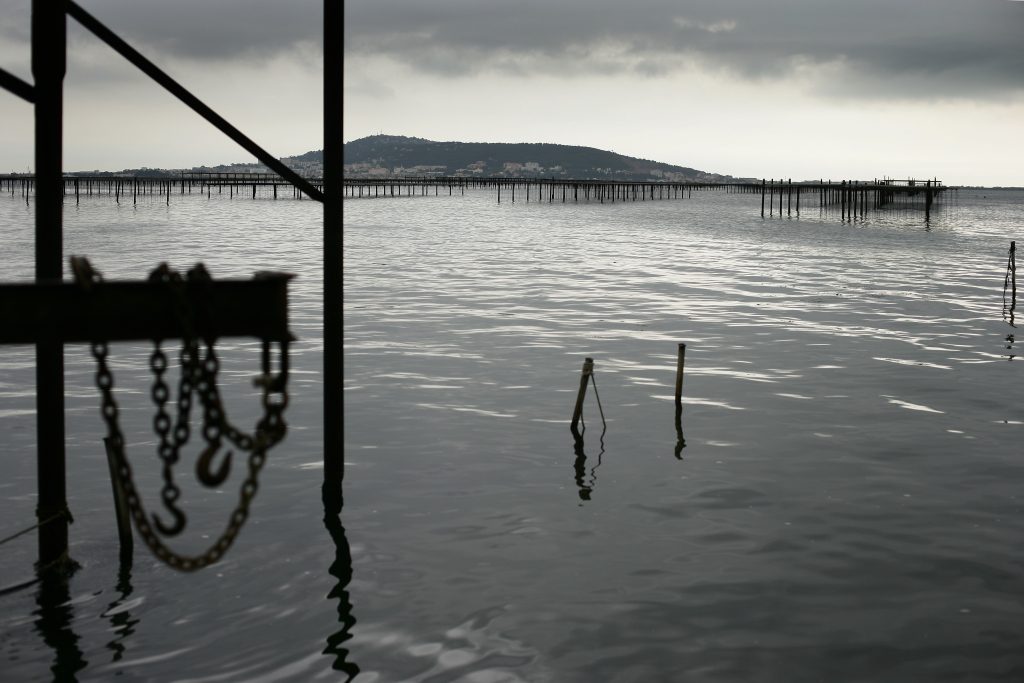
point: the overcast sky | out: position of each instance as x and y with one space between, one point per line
792 88
257 63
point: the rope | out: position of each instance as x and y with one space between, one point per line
63 513
598 397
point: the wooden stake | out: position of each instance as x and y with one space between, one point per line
577 413
680 363
124 525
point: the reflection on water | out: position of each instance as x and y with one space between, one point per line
53 623
584 483
119 611
680 441
341 569
1010 284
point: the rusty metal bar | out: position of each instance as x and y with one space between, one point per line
49 57
133 310
15 85
153 71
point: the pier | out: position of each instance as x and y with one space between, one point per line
123 187
852 198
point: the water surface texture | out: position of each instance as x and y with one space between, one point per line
840 501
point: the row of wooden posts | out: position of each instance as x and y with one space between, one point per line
119 187
853 198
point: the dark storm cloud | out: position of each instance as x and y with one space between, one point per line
914 48
200 30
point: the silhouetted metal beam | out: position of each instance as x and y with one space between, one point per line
49 56
134 310
15 85
153 71
334 461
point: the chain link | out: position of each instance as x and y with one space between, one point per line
201 378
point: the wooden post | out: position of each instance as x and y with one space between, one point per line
49 58
577 413
762 197
1013 271
680 364
124 525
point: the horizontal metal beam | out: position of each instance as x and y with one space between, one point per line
13 84
153 71
138 310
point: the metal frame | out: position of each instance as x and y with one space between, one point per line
49 58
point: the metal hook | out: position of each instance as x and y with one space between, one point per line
203 473
174 529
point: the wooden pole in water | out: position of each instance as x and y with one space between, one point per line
762 197
577 413
1013 270
124 525
680 364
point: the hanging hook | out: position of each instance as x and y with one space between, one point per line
174 529
203 473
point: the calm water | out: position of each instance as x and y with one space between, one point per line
847 506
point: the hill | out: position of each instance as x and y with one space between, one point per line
387 155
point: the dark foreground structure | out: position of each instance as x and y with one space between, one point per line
39 305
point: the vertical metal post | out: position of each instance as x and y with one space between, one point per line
334 463
49 48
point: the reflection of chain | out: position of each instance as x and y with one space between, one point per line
200 377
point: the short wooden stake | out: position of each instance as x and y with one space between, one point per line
577 413
679 375
1012 267
124 525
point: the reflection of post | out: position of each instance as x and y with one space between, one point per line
53 623
1010 281
121 621
680 441
577 413
579 465
341 569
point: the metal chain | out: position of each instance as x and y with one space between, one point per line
168 449
200 377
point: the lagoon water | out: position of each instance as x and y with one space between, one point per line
846 505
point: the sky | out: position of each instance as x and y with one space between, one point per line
259 64
759 88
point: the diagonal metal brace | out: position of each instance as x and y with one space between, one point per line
157 74
13 84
